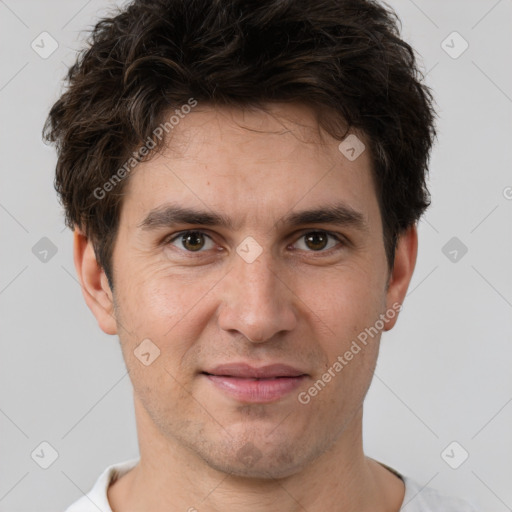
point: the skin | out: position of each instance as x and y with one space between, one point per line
295 304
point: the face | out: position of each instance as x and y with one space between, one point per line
250 257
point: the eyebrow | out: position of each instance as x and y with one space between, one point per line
167 215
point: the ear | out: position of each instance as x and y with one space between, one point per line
94 283
403 267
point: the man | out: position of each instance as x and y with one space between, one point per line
244 181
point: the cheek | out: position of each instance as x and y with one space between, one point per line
172 311
345 307
165 311
158 303
345 302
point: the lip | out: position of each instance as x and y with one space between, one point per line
243 370
246 383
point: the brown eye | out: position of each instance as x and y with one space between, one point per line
316 241
192 241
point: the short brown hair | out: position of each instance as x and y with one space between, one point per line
339 56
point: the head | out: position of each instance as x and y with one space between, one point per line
227 119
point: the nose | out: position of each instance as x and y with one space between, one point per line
258 302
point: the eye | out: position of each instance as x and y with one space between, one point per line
312 241
192 241
316 241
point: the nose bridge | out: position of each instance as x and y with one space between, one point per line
259 282
257 304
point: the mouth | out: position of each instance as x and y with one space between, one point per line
248 384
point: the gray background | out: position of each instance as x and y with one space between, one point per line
444 372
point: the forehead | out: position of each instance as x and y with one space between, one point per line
251 164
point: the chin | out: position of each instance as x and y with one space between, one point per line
258 458
265 468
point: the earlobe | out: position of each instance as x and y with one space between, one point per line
94 283
401 274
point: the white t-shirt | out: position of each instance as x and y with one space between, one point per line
416 499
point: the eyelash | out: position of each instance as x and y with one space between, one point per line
341 241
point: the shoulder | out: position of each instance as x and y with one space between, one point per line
425 499
420 498
96 499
